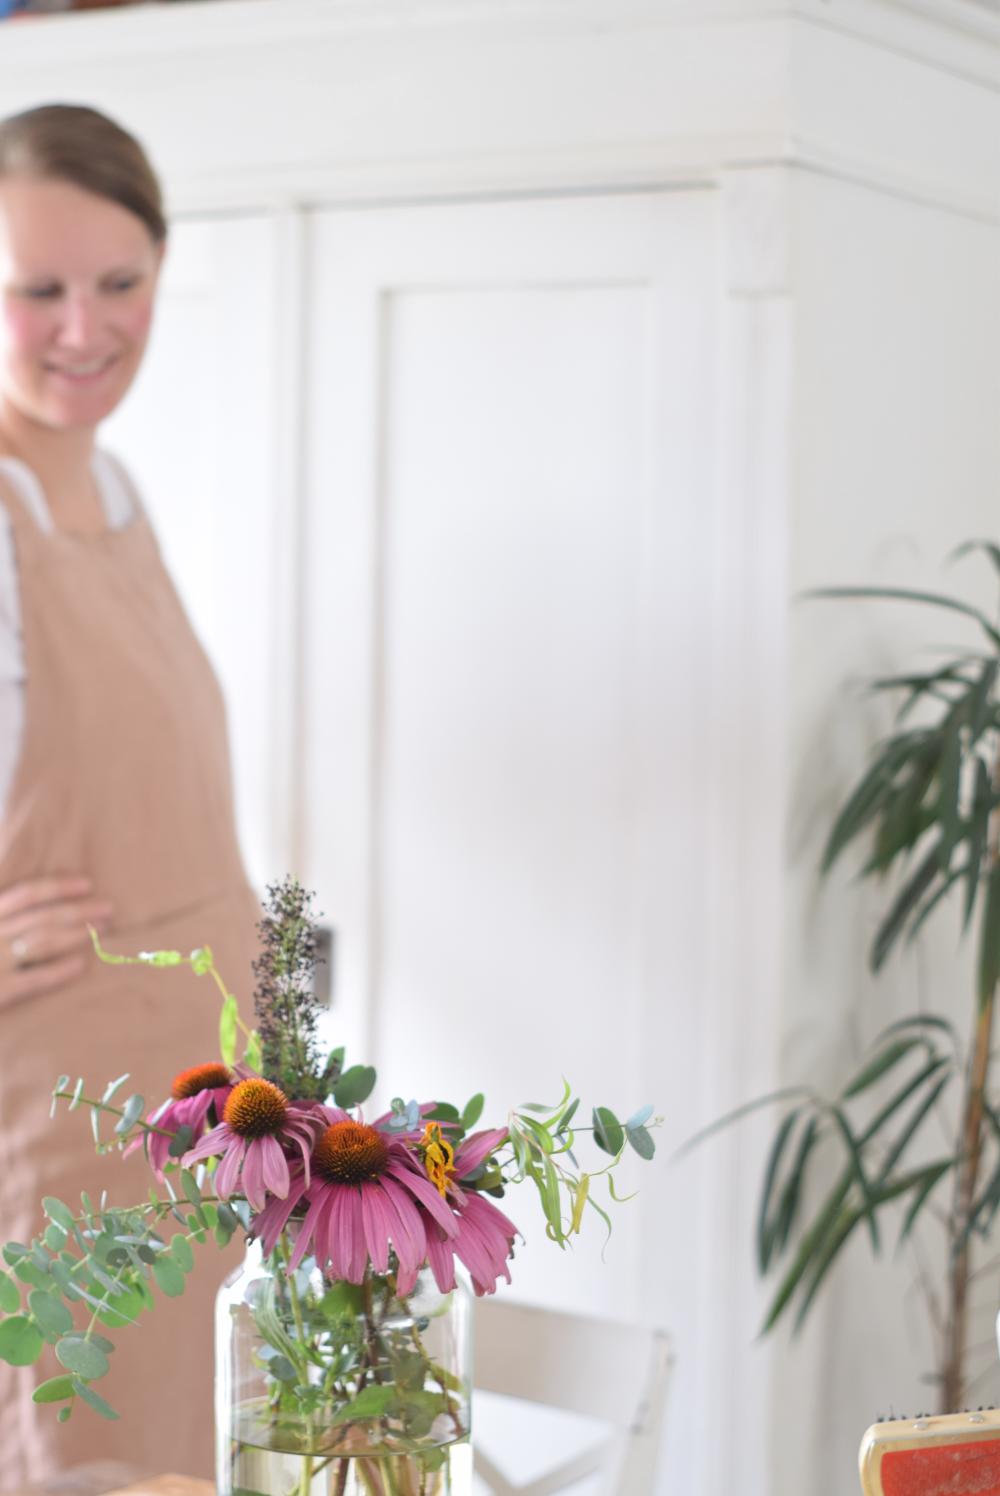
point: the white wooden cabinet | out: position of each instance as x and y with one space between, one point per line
546 351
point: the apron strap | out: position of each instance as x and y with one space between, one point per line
22 498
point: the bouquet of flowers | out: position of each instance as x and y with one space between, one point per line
342 1345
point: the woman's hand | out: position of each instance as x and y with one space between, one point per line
44 940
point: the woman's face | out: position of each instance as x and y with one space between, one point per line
78 277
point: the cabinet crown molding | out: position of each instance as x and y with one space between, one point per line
246 24
254 103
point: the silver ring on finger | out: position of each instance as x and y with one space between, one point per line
19 952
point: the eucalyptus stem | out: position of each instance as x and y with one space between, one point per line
306 1478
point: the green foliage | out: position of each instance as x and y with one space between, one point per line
876 1169
925 807
354 1086
56 1389
20 1341
542 1142
98 1267
202 963
926 799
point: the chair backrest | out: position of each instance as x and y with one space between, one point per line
614 1373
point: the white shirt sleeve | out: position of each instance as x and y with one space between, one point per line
11 663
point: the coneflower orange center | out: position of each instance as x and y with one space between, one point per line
350 1152
255 1108
198 1078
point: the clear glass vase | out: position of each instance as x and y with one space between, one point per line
335 1389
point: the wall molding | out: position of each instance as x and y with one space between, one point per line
389 101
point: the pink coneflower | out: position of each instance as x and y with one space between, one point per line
258 1123
193 1094
484 1241
368 1194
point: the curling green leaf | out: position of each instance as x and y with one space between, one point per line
858 1169
227 1029
252 1053
979 817
921 1196
949 780
764 1227
787 1208
878 1066
903 906
905 594
870 795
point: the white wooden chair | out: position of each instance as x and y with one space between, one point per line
614 1373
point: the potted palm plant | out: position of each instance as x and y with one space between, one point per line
927 810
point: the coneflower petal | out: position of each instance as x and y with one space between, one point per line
419 1185
441 1256
274 1167
306 1232
378 1222
253 1173
408 1237
227 1175
273 1219
477 1148
213 1142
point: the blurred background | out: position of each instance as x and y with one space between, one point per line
520 363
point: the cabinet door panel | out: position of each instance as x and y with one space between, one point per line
508 518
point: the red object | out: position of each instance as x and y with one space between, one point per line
948 1470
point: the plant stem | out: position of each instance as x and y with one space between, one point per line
952 1384
953 1368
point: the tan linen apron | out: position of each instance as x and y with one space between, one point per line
124 776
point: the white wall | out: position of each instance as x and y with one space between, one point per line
896 460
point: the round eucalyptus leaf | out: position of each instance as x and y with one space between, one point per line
169 1278
20 1341
180 1251
83 1357
50 1313
56 1389
58 1212
95 1400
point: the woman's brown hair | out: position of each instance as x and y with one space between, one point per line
76 144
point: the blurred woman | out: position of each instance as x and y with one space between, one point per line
115 798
